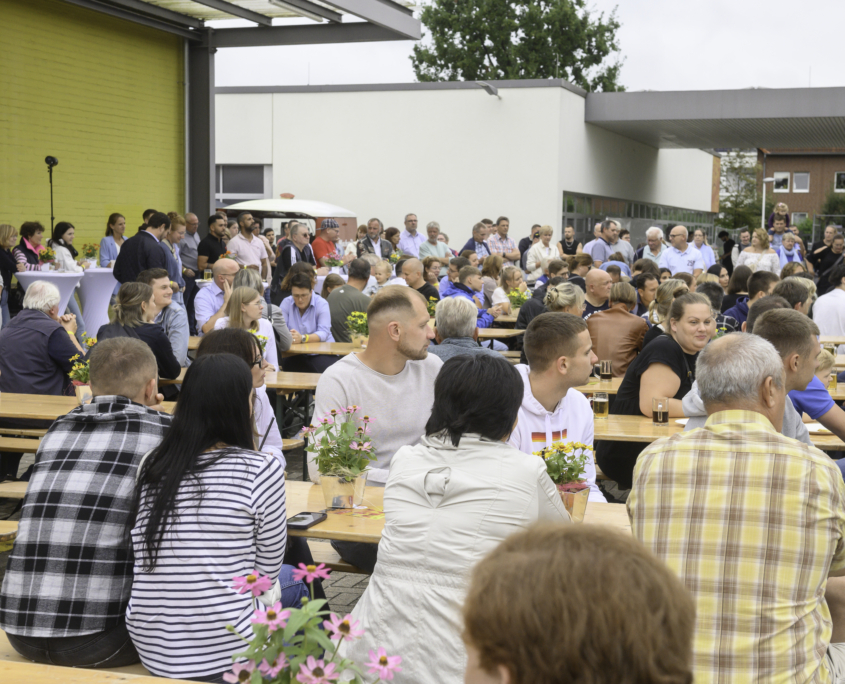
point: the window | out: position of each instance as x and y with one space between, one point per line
781 181
798 217
239 182
839 181
800 182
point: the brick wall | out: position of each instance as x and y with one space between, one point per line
821 165
103 95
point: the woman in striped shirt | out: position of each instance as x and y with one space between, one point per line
210 509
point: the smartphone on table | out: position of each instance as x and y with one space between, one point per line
304 520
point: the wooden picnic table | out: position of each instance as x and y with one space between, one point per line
329 348
507 320
611 387
276 380
341 526
42 407
642 429
498 333
831 339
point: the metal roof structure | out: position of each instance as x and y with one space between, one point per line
378 20
781 118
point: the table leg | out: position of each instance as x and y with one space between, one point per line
306 396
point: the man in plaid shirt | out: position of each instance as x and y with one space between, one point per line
500 243
753 523
69 576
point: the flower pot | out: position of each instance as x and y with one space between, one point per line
574 496
83 392
335 269
343 492
359 341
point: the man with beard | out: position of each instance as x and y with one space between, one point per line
393 373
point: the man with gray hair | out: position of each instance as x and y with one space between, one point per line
456 330
478 242
752 522
433 247
654 247
795 337
37 346
373 243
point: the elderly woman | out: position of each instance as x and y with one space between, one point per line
439 519
431 271
759 256
659 308
540 255
789 251
699 239
309 320
664 368
455 329
29 248
135 309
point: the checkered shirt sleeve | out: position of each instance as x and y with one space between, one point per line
752 522
499 245
70 571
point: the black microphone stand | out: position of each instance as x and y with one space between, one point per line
52 218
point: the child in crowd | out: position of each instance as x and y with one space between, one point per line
381 272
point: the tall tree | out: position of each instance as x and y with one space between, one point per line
475 40
739 205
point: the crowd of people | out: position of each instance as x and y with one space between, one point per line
738 522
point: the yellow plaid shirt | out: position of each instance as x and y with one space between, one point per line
752 522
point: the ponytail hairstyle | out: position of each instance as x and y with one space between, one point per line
564 296
658 310
128 306
112 220
506 276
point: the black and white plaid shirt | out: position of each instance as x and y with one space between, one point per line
70 571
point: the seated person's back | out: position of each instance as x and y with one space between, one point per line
618 334
448 501
80 498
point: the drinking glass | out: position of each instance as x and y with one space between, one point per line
831 384
660 411
605 371
206 274
601 405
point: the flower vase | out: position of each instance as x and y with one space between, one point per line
574 496
359 341
46 267
83 392
343 492
335 269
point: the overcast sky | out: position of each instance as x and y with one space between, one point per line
667 45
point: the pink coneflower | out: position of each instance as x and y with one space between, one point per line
316 672
271 670
309 573
274 617
383 665
343 628
253 582
367 419
241 672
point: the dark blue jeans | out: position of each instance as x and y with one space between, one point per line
111 648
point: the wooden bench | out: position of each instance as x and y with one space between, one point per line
23 433
19 444
289 444
323 552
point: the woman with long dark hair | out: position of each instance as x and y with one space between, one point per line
210 508
61 243
8 267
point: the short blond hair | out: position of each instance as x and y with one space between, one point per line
826 362
763 237
546 230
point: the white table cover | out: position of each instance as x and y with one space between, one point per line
94 294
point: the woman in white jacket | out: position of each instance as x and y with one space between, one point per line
540 255
449 500
62 244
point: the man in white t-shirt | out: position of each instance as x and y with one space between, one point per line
829 309
560 357
392 381
681 257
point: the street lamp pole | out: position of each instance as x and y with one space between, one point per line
763 210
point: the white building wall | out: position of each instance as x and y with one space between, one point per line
452 156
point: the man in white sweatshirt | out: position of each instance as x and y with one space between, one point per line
560 356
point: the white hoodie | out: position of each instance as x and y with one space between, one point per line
571 421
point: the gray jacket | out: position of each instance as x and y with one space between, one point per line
793 426
459 346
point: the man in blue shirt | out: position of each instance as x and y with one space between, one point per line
681 257
410 240
210 303
478 242
469 286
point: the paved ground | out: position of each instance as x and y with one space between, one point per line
343 589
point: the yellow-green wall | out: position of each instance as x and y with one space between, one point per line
103 95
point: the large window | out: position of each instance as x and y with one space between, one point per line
839 181
240 182
798 217
781 181
800 182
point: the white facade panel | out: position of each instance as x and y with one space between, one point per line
243 129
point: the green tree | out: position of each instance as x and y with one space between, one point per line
474 40
834 203
739 205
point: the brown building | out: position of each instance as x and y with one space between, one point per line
803 177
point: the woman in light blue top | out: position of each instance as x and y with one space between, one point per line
110 245
706 250
309 320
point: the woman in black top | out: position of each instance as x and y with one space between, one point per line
737 287
135 310
664 368
8 267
